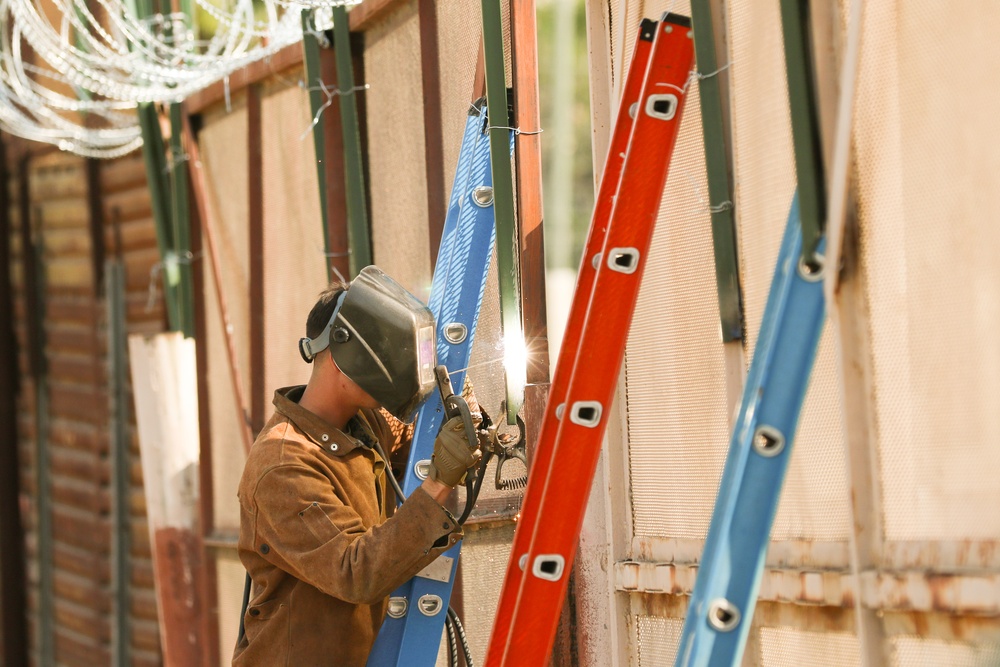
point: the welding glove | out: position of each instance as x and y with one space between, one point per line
453 454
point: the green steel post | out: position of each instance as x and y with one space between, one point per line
180 210
310 56
156 165
720 194
795 25
503 189
354 175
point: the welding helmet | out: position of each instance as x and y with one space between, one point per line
382 338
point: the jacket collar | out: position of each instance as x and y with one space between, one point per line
329 438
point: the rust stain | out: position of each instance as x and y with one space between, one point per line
178 568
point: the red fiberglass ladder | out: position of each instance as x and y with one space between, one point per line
587 370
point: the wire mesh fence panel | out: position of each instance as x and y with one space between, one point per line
791 647
656 640
923 652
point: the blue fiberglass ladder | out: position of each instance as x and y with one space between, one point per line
411 634
725 593
721 608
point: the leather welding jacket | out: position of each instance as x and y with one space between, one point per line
320 540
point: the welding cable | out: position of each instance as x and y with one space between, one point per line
472 489
452 643
461 636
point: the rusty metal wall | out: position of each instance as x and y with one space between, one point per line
76 420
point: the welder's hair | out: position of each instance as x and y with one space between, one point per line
320 314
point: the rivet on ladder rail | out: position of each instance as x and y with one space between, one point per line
723 615
768 441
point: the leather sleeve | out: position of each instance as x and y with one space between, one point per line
302 526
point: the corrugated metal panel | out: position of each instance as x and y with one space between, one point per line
224 143
77 434
484 561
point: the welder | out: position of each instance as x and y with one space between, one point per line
320 534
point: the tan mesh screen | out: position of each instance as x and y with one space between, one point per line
786 647
459 35
230 577
223 142
395 155
815 499
925 179
294 264
484 561
677 422
919 652
657 640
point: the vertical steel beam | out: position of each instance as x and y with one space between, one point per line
338 242
528 175
508 242
311 61
180 214
255 208
357 209
114 294
719 171
159 193
13 602
33 263
806 139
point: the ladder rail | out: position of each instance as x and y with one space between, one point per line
725 593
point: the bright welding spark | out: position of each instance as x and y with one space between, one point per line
515 360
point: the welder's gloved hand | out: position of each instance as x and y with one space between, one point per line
453 454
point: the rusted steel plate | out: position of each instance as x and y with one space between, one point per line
178 564
916 590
